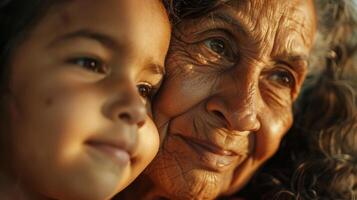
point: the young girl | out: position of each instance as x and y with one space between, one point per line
77 78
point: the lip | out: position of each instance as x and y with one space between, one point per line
119 152
211 156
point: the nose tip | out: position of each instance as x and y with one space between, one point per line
239 121
242 119
243 122
132 114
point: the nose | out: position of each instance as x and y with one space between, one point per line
128 108
236 107
132 114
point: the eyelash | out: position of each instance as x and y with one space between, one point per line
148 93
285 78
145 89
90 63
227 55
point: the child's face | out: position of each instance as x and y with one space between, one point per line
76 113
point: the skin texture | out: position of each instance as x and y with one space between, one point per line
226 102
74 91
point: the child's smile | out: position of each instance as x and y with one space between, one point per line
82 82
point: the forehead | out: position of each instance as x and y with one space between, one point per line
120 16
273 25
127 24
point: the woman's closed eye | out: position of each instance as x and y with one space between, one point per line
92 64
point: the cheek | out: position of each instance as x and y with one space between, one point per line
148 143
148 146
277 98
276 119
183 87
275 124
56 120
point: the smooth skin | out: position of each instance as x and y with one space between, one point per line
80 87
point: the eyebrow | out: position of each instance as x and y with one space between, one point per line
292 58
297 57
228 19
155 69
105 40
289 58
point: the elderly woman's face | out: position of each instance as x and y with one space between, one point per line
232 76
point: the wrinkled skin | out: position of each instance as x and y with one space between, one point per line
79 126
226 102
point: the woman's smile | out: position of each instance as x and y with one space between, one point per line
211 156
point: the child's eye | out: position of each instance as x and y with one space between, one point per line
145 90
92 64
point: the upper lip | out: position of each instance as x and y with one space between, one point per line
117 144
211 147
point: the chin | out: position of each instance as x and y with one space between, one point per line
90 182
175 182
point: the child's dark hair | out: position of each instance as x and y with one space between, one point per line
17 17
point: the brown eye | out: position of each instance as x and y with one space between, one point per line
91 64
145 90
283 78
216 45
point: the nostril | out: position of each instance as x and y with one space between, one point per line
132 118
141 123
126 117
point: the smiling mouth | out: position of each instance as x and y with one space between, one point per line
115 152
211 156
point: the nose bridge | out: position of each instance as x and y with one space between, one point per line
239 98
124 102
242 95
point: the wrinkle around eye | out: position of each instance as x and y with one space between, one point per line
227 52
188 62
274 98
200 52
